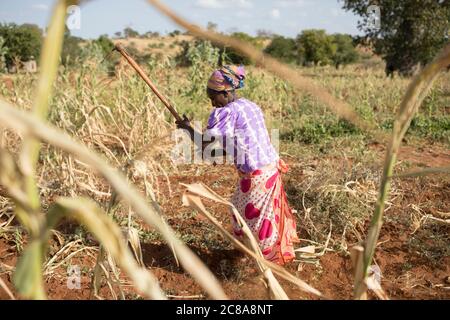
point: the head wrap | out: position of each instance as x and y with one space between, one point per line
227 78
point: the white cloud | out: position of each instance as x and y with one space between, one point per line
209 4
292 3
40 6
275 13
220 4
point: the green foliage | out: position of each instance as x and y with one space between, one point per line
203 58
345 50
211 26
196 52
314 132
315 47
92 53
284 49
151 34
105 44
231 56
435 128
174 33
130 33
3 52
71 50
23 42
411 31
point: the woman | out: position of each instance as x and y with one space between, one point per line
259 197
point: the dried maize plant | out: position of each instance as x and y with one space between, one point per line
18 178
416 92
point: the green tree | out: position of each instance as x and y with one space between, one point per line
316 47
151 34
71 49
234 57
174 33
284 49
130 33
211 26
23 42
265 34
345 50
3 52
105 44
411 32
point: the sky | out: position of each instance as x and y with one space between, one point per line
285 17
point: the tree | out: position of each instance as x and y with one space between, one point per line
130 33
316 47
118 34
283 48
3 52
411 32
23 42
151 34
174 33
71 49
105 44
211 26
265 34
234 57
345 50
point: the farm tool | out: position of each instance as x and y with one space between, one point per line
147 80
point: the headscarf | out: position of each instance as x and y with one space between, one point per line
227 78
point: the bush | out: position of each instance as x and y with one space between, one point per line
197 51
231 56
71 49
105 44
313 131
174 33
23 42
345 50
3 51
436 128
130 33
201 57
151 34
284 49
315 47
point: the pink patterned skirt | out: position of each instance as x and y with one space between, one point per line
261 200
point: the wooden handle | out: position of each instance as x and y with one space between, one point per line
147 80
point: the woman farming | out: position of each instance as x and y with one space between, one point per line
259 197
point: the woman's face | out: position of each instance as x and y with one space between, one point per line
218 99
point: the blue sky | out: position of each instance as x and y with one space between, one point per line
286 17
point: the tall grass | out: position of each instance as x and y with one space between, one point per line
21 187
414 96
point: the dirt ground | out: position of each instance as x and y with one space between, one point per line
415 265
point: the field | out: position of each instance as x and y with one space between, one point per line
333 182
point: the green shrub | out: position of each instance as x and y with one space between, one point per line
313 131
23 42
283 49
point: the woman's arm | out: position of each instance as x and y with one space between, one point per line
200 142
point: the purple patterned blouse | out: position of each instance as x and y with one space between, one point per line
240 125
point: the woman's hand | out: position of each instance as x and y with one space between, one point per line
184 124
